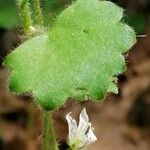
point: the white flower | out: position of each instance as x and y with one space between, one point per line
81 135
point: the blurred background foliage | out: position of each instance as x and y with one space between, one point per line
8 14
137 12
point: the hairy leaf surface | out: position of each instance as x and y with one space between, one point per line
79 57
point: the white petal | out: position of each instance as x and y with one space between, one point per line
82 135
72 125
83 122
91 136
83 115
88 138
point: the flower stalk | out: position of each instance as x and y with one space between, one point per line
49 136
38 17
25 15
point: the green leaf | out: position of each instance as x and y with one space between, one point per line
79 57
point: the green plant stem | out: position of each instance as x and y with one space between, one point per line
38 17
25 15
49 136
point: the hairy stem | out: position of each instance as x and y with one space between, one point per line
25 15
49 136
38 17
